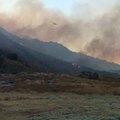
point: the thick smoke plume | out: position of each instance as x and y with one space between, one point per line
106 41
100 37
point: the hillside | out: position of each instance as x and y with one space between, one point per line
60 52
12 63
51 56
36 60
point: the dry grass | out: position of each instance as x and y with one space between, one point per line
62 83
58 106
31 98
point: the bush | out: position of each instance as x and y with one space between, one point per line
12 56
95 76
89 75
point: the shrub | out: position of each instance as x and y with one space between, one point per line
12 56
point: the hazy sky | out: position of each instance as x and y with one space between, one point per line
66 6
84 9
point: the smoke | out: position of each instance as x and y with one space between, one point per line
99 37
33 20
106 41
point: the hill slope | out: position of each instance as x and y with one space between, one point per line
36 60
60 52
11 63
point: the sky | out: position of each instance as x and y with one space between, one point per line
66 6
87 26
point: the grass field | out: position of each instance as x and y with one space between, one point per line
68 98
61 83
58 106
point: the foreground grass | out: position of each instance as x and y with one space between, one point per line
68 98
58 106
